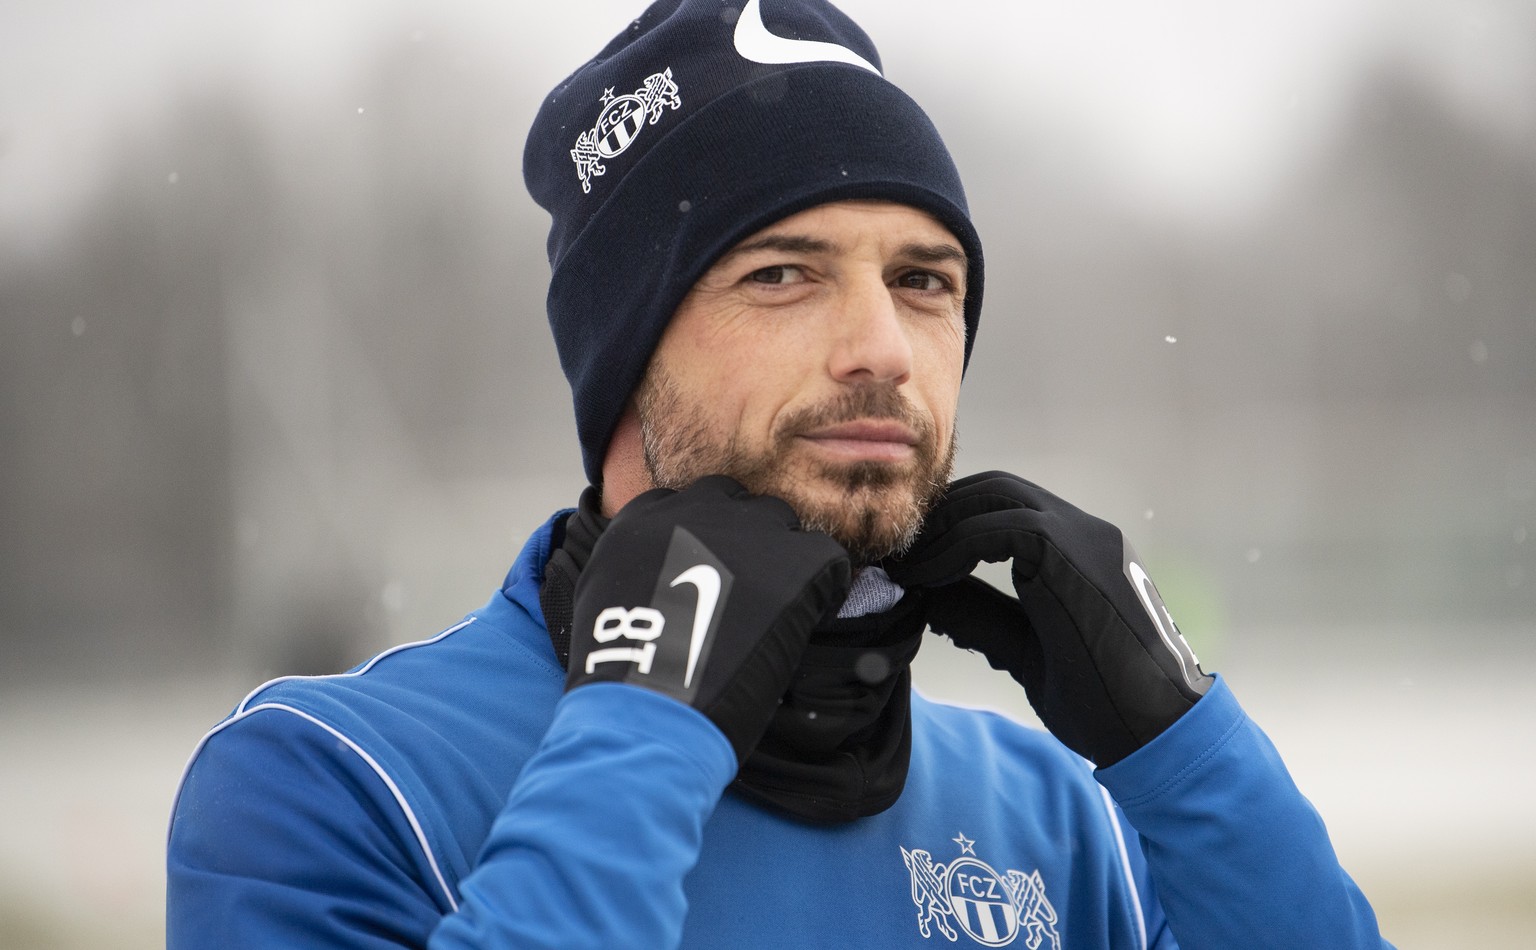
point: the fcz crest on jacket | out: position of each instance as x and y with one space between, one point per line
622 120
968 895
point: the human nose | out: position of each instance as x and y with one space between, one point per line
871 343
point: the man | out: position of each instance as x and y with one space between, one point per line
686 719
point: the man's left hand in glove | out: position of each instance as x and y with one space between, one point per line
1088 637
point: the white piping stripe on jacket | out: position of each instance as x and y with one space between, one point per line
241 711
1125 866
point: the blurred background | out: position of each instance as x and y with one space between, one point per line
276 389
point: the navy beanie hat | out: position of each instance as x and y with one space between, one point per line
704 122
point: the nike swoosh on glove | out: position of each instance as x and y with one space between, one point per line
1100 659
709 596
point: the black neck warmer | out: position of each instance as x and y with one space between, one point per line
840 743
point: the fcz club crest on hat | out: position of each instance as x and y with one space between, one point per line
622 120
993 909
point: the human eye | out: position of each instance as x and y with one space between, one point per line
777 274
925 280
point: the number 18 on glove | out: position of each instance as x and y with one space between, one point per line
709 596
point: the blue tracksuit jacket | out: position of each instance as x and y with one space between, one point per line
447 794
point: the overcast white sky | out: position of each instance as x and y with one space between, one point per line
1193 102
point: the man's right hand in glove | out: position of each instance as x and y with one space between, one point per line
709 596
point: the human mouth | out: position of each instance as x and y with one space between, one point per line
864 440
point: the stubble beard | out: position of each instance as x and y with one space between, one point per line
874 509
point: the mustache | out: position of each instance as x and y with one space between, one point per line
868 401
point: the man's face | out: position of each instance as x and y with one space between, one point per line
819 361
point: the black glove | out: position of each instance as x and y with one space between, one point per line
1098 655
707 595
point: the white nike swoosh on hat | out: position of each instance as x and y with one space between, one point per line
755 43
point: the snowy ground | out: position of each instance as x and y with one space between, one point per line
1417 748
1420 764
